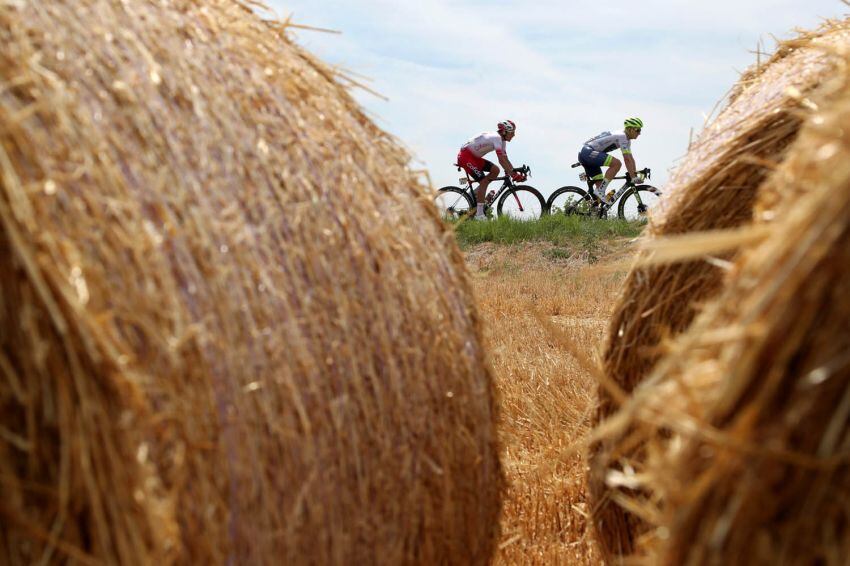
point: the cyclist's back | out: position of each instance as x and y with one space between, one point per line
607 142
484 143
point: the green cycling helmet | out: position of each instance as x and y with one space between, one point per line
633 123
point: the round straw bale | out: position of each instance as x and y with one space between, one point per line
747 419
233 328
714 188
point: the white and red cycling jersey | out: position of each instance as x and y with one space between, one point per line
484 143
471 155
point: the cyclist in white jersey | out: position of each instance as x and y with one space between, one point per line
594 155
471 158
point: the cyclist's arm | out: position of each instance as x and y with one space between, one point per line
626 147
505 162
629 160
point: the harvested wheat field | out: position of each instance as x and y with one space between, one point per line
233 330
213 348
715 188
544 317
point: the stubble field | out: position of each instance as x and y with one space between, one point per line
540 304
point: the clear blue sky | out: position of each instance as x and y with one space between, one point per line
563 71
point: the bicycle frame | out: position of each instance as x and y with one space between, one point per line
507 183
471 190
617 194
628 184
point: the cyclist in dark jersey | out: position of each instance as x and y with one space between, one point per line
595 152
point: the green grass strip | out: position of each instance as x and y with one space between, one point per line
558 229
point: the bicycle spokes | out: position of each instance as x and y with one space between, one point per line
453 203
522 203
638 203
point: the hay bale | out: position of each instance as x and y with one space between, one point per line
747 420
714 188
233 328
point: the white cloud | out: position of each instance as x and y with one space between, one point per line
562 70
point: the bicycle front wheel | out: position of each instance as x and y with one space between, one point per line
521 203
637 202
570 201
453 203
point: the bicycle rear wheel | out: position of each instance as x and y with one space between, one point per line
522 203
637 203
571 201
453 203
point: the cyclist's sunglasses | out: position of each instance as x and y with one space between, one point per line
637 130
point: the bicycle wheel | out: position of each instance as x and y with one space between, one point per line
637 203
453 203
571 201
521 203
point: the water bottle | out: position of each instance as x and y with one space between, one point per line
490 196
610 196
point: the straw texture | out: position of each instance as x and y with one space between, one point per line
746 420
233 329
714 188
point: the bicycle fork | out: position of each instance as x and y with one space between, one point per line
518 203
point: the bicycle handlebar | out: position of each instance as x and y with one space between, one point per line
525 170
647 172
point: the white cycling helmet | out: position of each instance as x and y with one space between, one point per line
506 127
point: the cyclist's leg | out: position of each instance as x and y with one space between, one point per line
490 171
593 161
480 170
476 167
613 165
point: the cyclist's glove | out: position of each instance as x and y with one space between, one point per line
518 177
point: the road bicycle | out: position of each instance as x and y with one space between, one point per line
520 202
634 202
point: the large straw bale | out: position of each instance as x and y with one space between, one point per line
232 328
747 419
714 188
